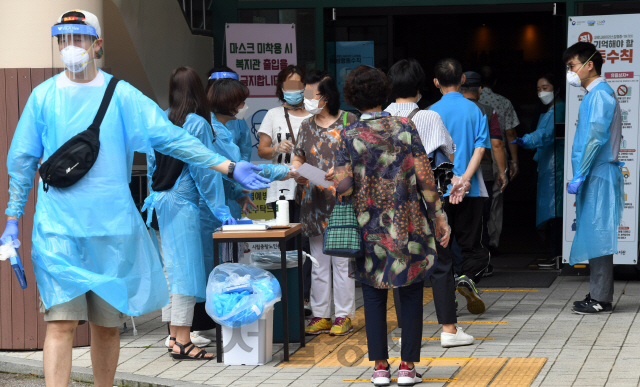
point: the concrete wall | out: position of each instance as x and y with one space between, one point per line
25 27
158 41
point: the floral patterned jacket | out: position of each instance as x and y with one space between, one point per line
381 162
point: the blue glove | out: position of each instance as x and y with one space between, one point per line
245 174
519 141
230 222
574 185
10 231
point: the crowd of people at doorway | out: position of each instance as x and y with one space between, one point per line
95 261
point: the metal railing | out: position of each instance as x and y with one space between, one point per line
199 16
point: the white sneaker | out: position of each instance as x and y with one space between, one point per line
166 342
448 340
199 340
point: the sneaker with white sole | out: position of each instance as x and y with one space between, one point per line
199 339
449 340
408 377
381 376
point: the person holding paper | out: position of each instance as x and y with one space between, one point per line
317 145
279 133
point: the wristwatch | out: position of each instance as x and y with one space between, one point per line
232 166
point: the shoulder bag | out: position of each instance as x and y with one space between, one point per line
75 157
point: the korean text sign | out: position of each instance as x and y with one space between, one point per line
257 52
615 38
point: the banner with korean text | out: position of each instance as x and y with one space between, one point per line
613 36
257 52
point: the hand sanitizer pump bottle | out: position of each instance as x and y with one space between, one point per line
282 210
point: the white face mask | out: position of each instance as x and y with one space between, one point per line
240 114
419 98
573 79
311 105
75 58
546 97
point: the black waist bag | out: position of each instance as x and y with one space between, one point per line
75 157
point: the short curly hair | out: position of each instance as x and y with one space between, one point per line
366 88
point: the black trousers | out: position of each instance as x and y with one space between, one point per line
444 286
465 219
375 316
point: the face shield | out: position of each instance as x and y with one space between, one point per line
73 48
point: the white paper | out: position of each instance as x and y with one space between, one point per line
315 175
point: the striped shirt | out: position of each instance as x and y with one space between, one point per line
431 129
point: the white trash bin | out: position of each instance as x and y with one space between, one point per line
250 344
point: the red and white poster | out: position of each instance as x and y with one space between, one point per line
615 36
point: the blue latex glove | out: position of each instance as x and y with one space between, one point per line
10 231
230 222
519 141
245 174
574 185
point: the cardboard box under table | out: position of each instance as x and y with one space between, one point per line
280 235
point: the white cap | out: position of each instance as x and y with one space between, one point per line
88 19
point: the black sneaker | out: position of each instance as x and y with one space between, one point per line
467 288
488 272
593 307
585 301
548 264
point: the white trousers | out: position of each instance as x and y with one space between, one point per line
344 288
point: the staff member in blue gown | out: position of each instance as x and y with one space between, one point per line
597 180
226 97
240 132
550 158
92 255
176 189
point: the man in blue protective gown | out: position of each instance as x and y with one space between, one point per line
597 180
92 255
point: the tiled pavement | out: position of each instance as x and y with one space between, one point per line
536 324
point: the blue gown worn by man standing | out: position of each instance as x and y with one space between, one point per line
599 182
90 236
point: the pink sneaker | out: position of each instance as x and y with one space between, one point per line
381 376
408 377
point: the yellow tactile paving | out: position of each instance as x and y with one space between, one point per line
482 372
478 373
519 372
332 351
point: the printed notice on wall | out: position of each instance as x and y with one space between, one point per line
257 52
615 37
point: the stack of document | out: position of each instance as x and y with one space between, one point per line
245 227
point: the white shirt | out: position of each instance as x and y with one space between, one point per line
429 125
63 81
275 126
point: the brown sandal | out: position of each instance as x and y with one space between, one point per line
185 355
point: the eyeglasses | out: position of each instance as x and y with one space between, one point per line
571 66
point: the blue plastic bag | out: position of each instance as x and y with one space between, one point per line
237 294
